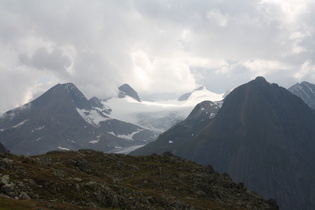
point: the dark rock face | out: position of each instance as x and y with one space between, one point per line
88 179
62 118
97 103
180 135
263 136
126 90
306 91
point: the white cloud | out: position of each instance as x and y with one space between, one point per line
289 10
306 71
216 17
163 73
264 67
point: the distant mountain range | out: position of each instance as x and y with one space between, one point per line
63 119
262 136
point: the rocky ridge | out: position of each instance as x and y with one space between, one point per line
88 179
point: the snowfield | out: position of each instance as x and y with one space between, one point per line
157 116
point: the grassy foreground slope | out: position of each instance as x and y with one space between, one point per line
87 179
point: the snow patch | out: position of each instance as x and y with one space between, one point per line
303 92
94 141
111 133
21 123
63 148
127 137
39 138
171 142
127 150
37 129
92 117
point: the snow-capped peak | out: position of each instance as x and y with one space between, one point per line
201 94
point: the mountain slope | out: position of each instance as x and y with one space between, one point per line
306 91
180 135
62 118
263 136
88 179
2 148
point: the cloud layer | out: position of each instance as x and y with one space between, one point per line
161 48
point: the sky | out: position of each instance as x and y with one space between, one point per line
162 48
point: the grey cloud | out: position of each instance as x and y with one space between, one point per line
44 60
212 79
91 43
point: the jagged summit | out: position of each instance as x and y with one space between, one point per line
70 92
127 90
261 79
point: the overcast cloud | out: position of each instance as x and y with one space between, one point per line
159 47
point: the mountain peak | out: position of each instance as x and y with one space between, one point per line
306 91
69 92
261 79
201 92
262 136
127 90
